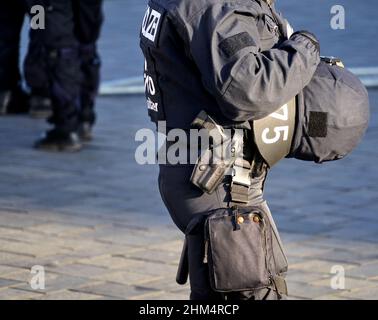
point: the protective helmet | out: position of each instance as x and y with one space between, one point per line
329 119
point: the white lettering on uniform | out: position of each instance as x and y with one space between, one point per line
149 86
150 24
152 105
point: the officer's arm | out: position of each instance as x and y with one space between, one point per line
248 83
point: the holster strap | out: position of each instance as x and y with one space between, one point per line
241 181
183 268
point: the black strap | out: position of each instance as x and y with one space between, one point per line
183 268
241 178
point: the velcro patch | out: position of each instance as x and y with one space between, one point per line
318 123
235 43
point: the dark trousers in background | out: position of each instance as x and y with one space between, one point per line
63 62
12 15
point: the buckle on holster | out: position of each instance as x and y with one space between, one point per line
241 181
241 173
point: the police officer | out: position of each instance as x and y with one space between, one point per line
236 60
12 97
63 64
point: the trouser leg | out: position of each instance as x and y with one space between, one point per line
36 71
11 19
35 67
184 202
36 62
53 64
88 23
90 67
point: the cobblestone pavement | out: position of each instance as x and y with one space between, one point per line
95 220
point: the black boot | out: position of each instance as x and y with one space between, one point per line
56 140
40 107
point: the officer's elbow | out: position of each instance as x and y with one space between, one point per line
249 107
248 111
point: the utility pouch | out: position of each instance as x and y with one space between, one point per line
243 250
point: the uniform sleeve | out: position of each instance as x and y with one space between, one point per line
248 83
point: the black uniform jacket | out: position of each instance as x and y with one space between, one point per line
231 58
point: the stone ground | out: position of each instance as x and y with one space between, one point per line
95 221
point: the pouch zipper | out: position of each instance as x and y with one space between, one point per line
270 276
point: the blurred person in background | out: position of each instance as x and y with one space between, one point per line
63 65
12 97
62 68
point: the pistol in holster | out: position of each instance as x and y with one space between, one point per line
220 155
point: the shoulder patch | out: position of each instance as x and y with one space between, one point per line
318 124
152 23
233 44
